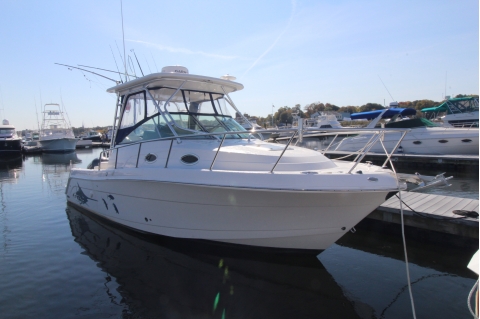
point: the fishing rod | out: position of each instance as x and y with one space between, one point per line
131 66
116 64
69 66
92 67
137 62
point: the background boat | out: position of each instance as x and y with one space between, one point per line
56 134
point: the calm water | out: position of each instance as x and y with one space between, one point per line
56 262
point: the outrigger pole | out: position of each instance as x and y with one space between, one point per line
69 66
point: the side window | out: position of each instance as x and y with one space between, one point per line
220 104
134 113
134 110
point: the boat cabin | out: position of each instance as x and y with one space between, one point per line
174 103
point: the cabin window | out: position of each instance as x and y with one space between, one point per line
176 103
133 115
220 104
134 110
211 123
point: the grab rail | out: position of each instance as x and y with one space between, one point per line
377 136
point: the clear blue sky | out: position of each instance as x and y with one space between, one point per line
284 52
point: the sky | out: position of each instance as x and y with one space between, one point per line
284 52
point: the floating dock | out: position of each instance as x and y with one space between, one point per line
429 217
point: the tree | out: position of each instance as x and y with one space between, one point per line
350 109
331 107
370 107
466 95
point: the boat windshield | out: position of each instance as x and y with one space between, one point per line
411 123
166 112
7 132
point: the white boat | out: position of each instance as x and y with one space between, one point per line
425 137
456 112
322 120
31 138
56 134
179 165
10 142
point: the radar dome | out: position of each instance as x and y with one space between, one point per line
175 69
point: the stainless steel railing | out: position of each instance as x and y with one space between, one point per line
377 137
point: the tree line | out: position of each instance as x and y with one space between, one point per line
286 114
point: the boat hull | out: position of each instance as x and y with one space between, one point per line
454 141
291 219
58 145
8 146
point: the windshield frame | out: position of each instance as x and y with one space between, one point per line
194 126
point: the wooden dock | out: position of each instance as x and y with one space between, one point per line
429 217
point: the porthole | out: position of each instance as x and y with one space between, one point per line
443 141
189 159
150 158
417 142
467 140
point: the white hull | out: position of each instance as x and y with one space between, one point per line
467 119
428 141
282 218
58 145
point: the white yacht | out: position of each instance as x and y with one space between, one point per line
456 112
425 137
179 165
10 142
56 134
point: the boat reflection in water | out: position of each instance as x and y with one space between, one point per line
60 158
56 167
177 278
10 165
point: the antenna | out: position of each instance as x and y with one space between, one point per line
393 100
137 62
123 35
445 97
64 109
36 112
154 61
116 63
147 63
42 110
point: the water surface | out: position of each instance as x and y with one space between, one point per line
57 262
